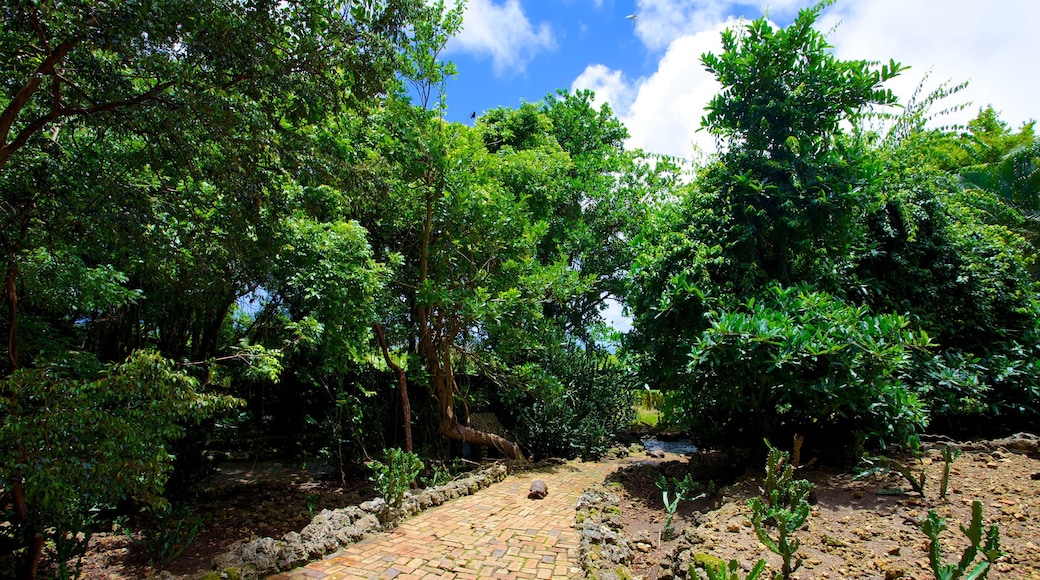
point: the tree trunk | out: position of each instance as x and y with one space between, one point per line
457 432
11 294
442 385
402 382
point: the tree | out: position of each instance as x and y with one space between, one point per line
143 156
599 208
751 267
785 176
74 440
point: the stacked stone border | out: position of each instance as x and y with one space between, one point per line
604 551
332 530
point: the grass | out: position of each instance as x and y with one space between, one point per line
646 417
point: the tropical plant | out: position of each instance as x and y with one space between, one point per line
786 508
393 478
966 568
731 571
682 489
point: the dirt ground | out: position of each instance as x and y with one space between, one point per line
271 504
859 528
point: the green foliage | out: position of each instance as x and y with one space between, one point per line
797 359
785 178
793 103
394 477
750 289
731 571
439 475
573 403
786 507
966 567
80 444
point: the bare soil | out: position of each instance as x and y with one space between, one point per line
261 502
859 528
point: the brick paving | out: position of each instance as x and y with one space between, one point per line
495 533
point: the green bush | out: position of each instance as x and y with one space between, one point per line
797 360
575 408
77 445
961 390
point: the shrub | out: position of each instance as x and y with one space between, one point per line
800 360
75 444
574 403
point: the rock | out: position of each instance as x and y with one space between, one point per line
331 529
655 453
538 490
1024 443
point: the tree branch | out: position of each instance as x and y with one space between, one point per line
39 123
21 98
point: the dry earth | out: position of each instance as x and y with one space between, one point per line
858 528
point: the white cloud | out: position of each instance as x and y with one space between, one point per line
610 86
961 40
990 45
503 32
663 111
659 22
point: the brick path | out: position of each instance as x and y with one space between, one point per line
495 533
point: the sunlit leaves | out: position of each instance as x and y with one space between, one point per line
795 358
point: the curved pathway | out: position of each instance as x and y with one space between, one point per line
494 533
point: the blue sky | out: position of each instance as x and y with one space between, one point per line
648 68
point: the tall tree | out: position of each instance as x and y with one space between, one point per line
739 304
141 159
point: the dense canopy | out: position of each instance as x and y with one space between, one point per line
250 222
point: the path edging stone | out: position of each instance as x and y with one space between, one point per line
334 529
604 551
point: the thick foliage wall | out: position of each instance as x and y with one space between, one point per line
572 403
818 281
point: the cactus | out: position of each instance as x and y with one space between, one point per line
882 465
722 572
786 506
966 568
948 455
683 488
